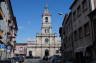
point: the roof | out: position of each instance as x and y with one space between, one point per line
21 43
46 12
73 4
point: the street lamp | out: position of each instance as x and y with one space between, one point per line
60 13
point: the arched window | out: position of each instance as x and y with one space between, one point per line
46 19
47 30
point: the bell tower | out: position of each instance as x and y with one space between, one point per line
46 21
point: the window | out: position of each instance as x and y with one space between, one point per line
21 48
75 36
84 5
74 15
95 3
86 29
79 10
46 19
47 30
57 51
94 25
46 40
80 33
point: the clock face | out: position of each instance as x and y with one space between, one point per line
46 40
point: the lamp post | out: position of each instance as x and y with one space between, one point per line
60 32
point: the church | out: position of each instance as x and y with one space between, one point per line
46 43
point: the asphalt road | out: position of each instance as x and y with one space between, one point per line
34 61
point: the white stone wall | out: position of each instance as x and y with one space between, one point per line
33 51
92 4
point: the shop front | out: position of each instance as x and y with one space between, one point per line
2 52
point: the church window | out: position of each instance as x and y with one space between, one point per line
47 30
46 40
46 19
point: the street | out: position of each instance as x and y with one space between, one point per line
34 61
48 31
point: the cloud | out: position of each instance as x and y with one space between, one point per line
31 39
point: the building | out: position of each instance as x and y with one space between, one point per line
46 43
92 47
66 36
78 36
8 29
21 49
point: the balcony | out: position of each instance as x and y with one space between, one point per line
40 34
1 34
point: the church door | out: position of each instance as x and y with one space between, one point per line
30 53
46 52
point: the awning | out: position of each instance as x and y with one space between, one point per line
1 13
80 49
1 33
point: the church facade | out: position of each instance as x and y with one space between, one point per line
46 43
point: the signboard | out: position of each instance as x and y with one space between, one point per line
1 33
2 46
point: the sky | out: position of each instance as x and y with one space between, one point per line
29 16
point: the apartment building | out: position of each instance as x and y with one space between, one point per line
8 29
21 49
66 33
79 35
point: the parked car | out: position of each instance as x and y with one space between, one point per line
16 59
45 58
57 60
11 60
52 59
21 59
68 61
36 57
28 57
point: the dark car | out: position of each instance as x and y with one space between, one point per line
45 58
36 57
28 57
15 59
55 59
21 59
18 59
